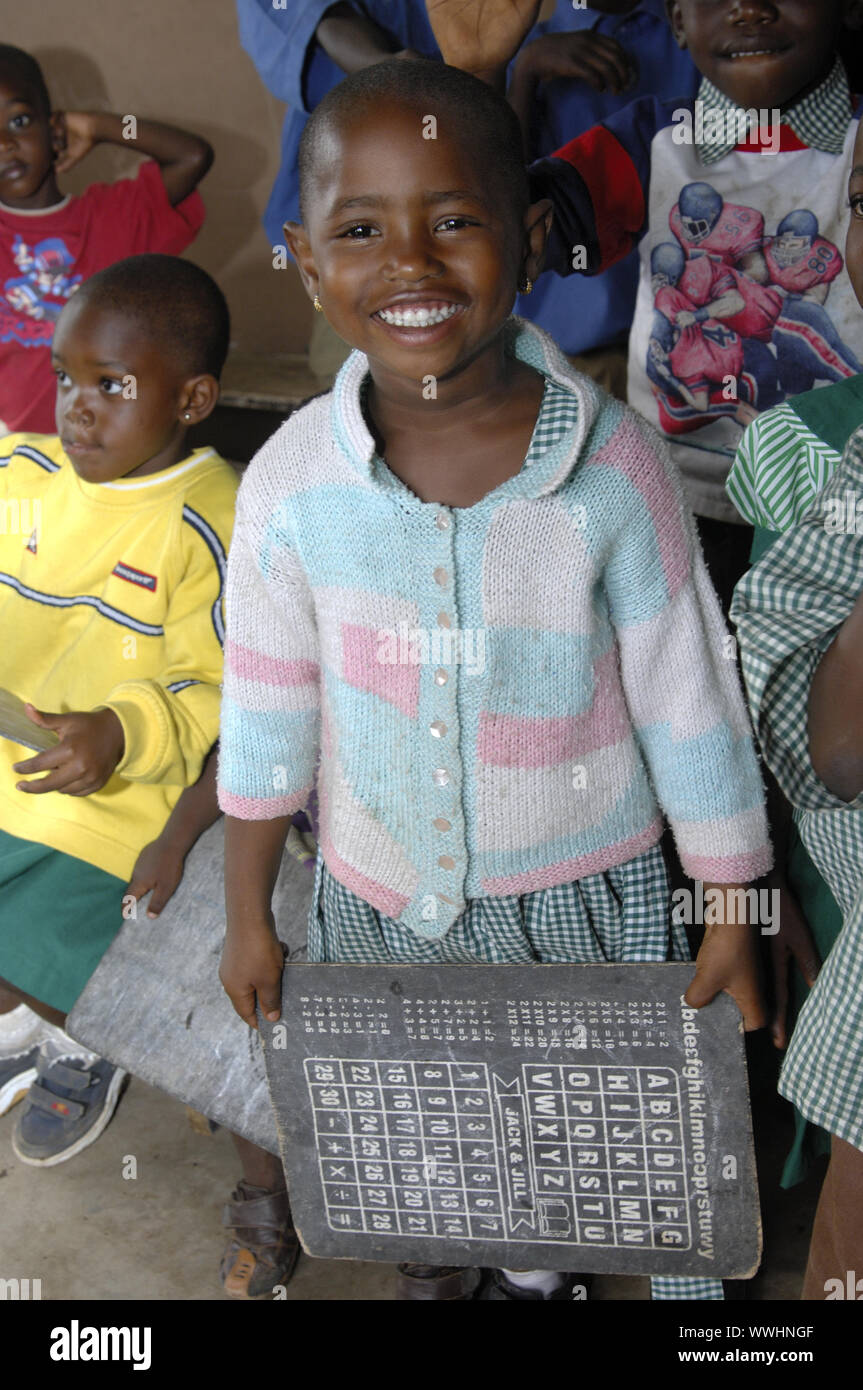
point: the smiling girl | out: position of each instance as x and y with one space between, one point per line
461 477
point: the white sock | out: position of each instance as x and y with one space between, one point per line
21 1027
544 1280
57 1046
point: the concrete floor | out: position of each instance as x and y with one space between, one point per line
89 1233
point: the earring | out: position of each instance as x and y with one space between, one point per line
526 287
187 414
319 308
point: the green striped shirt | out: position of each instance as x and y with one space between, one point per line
779 467
788 609
787 454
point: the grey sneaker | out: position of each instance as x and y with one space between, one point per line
68 1106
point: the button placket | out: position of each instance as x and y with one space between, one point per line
444 854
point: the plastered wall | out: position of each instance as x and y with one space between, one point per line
180 61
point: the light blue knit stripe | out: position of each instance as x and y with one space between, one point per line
631 815
265 754
528 683
684 773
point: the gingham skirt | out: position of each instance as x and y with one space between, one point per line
620 915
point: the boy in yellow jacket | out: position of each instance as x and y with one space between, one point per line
113 543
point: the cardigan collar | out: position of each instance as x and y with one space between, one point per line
524 341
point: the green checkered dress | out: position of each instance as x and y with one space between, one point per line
788 609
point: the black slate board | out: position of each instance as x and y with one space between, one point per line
568 1117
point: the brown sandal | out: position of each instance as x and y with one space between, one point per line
264 1250
427 1282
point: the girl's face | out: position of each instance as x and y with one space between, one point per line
415 255
854 240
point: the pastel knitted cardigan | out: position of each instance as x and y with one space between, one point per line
593 688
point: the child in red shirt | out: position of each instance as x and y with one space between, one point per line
49 243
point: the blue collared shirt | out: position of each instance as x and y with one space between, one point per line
295 69
583 312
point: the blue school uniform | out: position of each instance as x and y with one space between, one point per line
281 44
580 313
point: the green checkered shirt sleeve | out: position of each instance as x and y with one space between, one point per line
779 467
787 610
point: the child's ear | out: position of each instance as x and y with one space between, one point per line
537 225
198 399
300 248
675 19
57 128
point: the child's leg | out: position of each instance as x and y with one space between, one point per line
263 1250
836 1248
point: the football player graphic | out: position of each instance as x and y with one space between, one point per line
701 361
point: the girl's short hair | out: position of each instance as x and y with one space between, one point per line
482 118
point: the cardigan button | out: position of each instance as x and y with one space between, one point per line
441 676
446 861
440 777
441 823
441 576
444 620
441 521
437 729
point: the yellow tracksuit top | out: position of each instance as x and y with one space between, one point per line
111 594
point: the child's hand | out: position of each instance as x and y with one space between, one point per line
480 35
159 867
745 414
794 941
728 960
583 57
252 964
91 745
78 130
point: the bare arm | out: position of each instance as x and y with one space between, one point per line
159 867
836 710
252 958
183 159
352 41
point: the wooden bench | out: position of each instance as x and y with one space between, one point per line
155 1006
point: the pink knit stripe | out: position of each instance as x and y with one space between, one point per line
628 452
261 807
732 868
397 682
568 870
385 900
513 740
271 670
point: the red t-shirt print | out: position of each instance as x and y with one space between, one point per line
46 255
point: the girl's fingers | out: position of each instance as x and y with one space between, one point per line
244 1003
270 999
700 991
